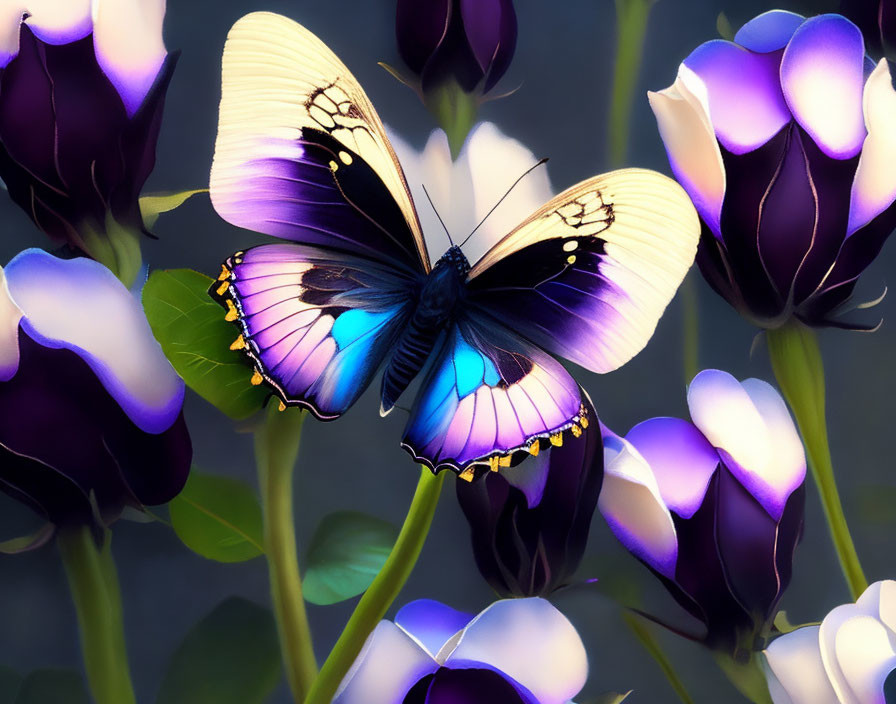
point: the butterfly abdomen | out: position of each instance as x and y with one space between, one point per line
437 302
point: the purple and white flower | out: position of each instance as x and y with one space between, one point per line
714 506
517 651
82 88
784 140
91 414
844 660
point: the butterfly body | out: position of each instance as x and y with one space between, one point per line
349 290
438 303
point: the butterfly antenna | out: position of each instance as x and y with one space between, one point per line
501 200
438 216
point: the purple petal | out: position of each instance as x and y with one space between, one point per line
78 304
389 665
530 641
746 105
681 459
482 26
769 31
631 503
419 29
874 187
431 623
823 77
682 116
127 36
466 686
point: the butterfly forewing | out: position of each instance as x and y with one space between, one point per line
588 276
301 153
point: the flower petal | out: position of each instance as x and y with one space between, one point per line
431 623
682 116
58 21
129 46
795 661
769 31
631 503
9 331
746 105
419 29
874 186
822 74
680 458
10 26
491 161
389 665
78 304
530 641
786 469
866 656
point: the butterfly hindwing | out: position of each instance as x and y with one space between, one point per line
487 395
588 276
301 153
317 326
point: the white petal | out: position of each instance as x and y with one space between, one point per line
530 641
874 185
390 663
9 332
796 663
129 45
682 115
78 304
10 26
724 412
786 469
631 503
827 638
58 21
494 162
887 603
866 656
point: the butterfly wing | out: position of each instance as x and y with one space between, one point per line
316 324
588 276
490 394
301 154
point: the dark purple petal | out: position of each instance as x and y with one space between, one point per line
73 441
420 27
468 686
528 550
491 30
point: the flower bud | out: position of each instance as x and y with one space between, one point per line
714 507
529 523
784 140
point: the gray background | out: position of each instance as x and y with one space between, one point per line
563 64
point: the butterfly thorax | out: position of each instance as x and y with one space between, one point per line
436 306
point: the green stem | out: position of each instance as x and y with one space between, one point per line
799 370
748 677
631 28
455 111
645 636
94 587
690 328
276 449
382 592
116 247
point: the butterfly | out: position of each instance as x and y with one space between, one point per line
302 155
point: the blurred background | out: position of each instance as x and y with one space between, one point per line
563 65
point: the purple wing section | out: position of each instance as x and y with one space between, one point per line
319 193
316 324
488 396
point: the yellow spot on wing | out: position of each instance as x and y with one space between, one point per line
232 312
576 431
345 158
239 343
534 448
493 463
571 259
222 289
570 245
281 407
225 273
467 474
557 439
256 379
504 461
333 165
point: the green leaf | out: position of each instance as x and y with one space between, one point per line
218 518
347 551
52 687
232 656
192 331
28 542
154 204
783 624
10 684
